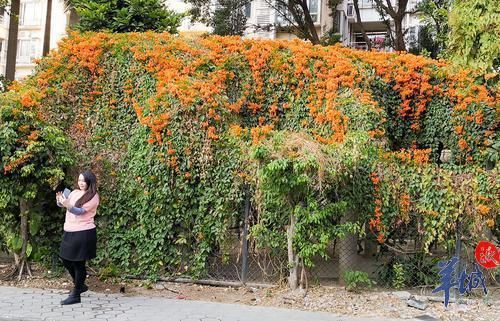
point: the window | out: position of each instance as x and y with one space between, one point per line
282 14
313 6
248 9
366 4
350 9
412 37
338 21
27 50
29 14
2 14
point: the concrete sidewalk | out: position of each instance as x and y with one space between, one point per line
36 305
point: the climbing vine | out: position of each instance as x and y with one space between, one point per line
175 128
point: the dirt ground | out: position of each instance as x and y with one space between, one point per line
334 299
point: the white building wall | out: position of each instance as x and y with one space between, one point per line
261 22
186 26
32 18
4 33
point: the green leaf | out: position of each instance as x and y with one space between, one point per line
29 250
16 243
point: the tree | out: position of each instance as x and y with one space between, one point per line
10 68
46 33
434 33
360 24
33 156
396 13
229 18
474 38
290 173
295 15
125 15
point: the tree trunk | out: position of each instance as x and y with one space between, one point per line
23 209
360 24
10 69
399 34
304 284
46 34
293 259
17 260
397 17
314 38
23 260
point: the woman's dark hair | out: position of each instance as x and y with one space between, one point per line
91 181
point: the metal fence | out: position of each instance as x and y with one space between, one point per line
396 264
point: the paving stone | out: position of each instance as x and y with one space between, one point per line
45 305
412 302
426 317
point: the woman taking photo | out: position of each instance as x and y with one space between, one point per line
79 239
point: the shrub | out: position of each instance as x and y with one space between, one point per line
355 281
169 124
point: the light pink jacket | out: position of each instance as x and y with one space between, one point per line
75 223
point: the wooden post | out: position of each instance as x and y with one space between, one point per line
293 259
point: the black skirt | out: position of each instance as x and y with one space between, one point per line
79 246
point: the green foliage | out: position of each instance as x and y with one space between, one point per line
4 84
437 124
170 191
397 130
331 37
162 221
109 272
125 16
355 281
474 38
291 181
416 269
433 35
229 18
33 158
399 276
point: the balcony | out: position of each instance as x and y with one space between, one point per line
378 40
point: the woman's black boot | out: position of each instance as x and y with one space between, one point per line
71 299
79 291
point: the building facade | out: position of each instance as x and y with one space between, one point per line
186 27
263 21
32 17
350 32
